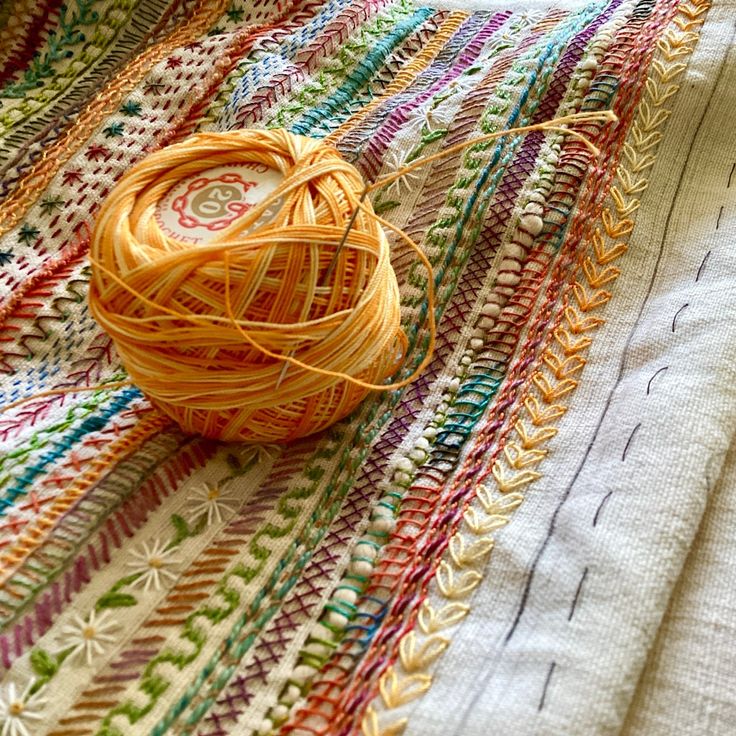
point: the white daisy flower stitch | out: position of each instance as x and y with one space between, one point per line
89 637
440 117
412 128
211 500
19 710
260 453
154 562
395 161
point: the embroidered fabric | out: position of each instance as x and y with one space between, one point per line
512 542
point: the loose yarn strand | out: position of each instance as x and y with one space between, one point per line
605 116
315 369
555 124
348 309
65 390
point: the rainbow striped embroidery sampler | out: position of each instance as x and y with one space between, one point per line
533 536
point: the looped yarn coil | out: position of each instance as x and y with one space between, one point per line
204 330
208 331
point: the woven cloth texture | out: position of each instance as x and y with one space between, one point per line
536 536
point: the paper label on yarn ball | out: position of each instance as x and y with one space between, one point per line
199 207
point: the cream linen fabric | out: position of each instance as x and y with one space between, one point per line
574 596
688 683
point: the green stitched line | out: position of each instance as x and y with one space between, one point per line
335 107
40 439
114 491
214 110
177 709
438 420
154 682
319 86
43 81
354 54
46 666
90 424
59 44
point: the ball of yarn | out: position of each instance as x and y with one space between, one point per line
203 328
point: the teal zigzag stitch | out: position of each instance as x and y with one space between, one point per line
237 651
480 387
153 683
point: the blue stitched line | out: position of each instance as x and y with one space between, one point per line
459 432
90 424
441 65
275 61
341 98
174 712
179 707
460 424
326 109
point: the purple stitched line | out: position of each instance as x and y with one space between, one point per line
39 619
507 193
239 690
244 523
501 206
107 679
455 502
444 171
353 511
380 134
340 27
569 61
529 150
317 565
298 608
133 659
438 182
359 497
427 83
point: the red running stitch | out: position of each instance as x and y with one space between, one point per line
44 16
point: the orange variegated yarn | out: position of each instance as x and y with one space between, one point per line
204 330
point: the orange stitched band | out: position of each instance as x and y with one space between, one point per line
408 74
205 14
34 536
